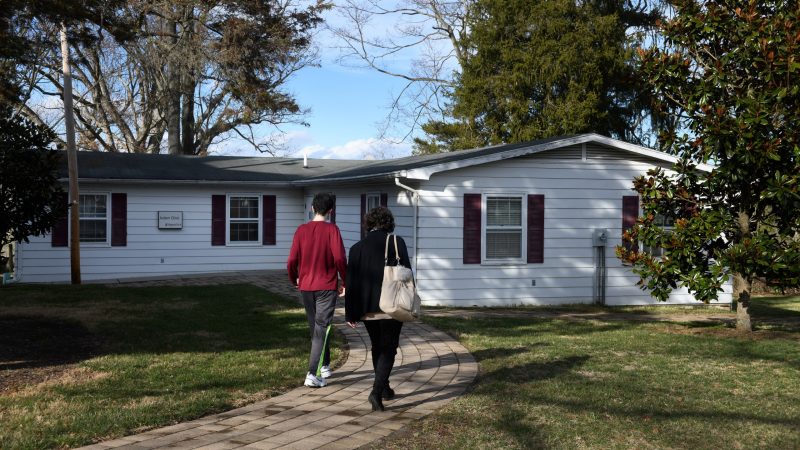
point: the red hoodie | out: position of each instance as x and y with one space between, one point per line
316 257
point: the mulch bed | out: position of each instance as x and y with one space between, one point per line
34 349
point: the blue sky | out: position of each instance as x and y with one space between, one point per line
347 106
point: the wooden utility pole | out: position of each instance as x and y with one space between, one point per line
72 163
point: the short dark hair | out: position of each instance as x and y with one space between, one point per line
323 203
380 218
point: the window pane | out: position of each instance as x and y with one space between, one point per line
90 205
504 211
665 222
244 207
92 230
654 251
373 201
503 244
244 232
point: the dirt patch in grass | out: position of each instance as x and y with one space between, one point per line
36 349
90 313
730 332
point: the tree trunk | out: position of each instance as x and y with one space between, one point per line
173 97
187 117
188 85
741 284
72 163
741 291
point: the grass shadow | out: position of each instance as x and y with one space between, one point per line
536 371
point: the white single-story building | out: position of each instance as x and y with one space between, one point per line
504 225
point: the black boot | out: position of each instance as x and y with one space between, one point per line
388 393
375 401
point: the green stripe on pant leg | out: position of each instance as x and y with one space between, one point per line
322 354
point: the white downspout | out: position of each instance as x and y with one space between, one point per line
415 196
17 266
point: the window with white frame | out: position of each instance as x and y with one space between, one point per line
373 201
93 216
665 223
503 232
244 219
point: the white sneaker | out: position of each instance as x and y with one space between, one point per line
314 381
325 372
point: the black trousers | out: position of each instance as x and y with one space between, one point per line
384 335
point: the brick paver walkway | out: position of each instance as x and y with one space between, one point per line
431 370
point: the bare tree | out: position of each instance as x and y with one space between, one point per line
197 73
379 35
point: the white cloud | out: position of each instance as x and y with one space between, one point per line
299 143
370 148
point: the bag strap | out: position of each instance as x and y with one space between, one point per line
396 252
386 250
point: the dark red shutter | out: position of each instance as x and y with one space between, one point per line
535 229
60 235
217 220
630 212
385 200
362 214
119 219
268 219
472 228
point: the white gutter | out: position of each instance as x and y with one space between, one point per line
359 178
180 182
415 196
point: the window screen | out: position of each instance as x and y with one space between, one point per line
667 224
373 201
244 223
93 215
503 227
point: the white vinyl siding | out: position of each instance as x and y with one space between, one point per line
152 252
581 197
348 212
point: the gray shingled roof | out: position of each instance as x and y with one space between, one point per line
390 167
143 167
172 168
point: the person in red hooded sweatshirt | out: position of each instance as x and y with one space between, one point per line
316 259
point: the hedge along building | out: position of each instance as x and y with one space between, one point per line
530 223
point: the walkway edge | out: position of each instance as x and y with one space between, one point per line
432 369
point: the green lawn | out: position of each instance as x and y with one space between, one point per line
572 384
142 357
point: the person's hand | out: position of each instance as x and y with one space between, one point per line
352 324
341 291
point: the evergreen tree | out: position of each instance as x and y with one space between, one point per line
542 68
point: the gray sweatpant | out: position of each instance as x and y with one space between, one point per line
319 311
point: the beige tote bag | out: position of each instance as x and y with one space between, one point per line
399 297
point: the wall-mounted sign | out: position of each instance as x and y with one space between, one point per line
170 220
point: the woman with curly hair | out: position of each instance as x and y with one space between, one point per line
363 293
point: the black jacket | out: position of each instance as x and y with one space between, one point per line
365 273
